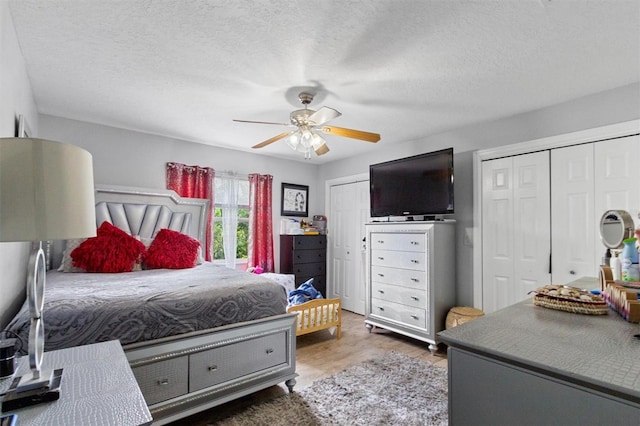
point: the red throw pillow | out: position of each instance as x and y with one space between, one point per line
172 250
112 250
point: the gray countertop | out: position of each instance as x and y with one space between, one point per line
597 350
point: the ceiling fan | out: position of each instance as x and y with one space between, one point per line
309 125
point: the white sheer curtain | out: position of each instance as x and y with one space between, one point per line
227 192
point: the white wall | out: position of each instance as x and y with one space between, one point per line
609 107
125 157
16 98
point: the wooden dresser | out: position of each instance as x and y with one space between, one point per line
305 256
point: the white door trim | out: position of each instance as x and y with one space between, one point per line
626 128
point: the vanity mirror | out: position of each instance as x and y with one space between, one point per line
615 226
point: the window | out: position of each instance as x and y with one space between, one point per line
231 220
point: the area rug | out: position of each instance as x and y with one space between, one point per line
393 389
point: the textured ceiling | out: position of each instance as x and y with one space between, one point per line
404 69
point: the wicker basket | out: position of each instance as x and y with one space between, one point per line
461 314
570 299
574 307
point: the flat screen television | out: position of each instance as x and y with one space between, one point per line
413 186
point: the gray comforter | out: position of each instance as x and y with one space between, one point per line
83 308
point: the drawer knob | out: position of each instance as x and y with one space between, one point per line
415 298
415 317
414 243
269 351
415 261
212 368
380 258
381 275
381 291
381 241
415 280
381 308
163 382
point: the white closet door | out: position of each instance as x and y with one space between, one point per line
497 234
572 220
348 214
532 223
515 227
617 182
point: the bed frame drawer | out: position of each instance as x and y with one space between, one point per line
235 360
163 380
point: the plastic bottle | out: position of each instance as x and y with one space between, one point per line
629 260
616 269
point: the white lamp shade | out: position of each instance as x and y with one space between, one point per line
46 191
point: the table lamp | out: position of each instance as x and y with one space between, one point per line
46 193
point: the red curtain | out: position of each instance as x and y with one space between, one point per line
194 182
260 244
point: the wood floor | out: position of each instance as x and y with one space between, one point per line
320 355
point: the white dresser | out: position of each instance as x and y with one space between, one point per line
410 277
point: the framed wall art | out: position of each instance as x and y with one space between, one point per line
295 200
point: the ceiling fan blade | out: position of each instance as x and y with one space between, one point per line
350 133
262 122
322 149
272 140
323 115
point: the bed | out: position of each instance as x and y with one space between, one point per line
195 338
314 315
318 314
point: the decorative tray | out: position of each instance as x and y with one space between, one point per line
569 299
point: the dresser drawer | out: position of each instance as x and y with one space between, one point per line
401 241
228 362
403 277
399 259
407 315
309 256
309 270
397 294
163 380
309 242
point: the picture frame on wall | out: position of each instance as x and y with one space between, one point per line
295 200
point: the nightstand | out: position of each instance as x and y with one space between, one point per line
98 388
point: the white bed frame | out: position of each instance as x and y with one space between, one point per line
182 375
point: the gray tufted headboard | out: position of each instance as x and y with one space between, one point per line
143 212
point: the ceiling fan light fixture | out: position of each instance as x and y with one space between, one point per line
306 138
317 141
309 123
293 140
